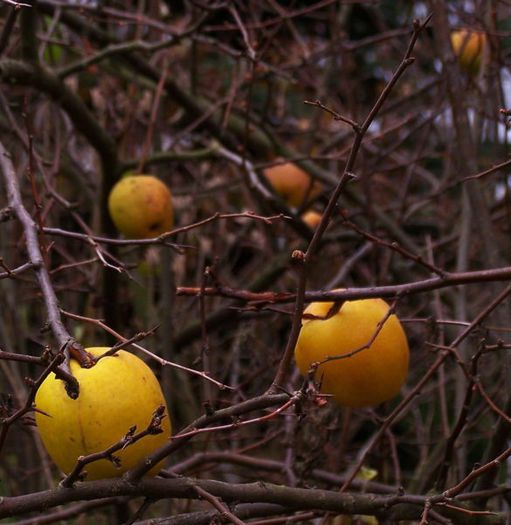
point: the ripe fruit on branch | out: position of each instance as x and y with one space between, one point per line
369 376
468 46
293 184
311 218
116 393
141 206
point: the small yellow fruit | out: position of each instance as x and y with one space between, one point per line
370 376
294 185
116 393
311 218
468 46
141 206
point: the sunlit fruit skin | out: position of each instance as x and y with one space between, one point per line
141 206
369 377
293 184
116 393
468 46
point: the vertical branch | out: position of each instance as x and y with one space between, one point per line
462 265
304 259
34 253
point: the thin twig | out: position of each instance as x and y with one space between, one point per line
160 360
27 407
